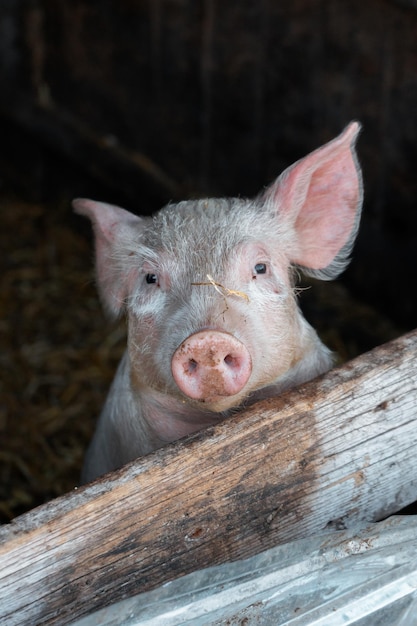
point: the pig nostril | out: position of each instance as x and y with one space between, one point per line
232 362
192 366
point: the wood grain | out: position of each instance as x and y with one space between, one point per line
338 450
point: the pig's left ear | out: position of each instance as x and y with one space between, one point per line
319 200
115 230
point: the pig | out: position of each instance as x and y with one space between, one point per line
208 289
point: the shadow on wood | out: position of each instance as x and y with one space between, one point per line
334 452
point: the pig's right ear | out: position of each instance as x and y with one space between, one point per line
114 230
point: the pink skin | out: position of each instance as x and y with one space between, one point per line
210 365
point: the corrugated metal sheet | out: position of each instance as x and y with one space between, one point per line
366 577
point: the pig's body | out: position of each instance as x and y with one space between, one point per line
213 322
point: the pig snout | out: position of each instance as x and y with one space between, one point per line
210 365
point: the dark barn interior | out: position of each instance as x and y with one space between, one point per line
139 103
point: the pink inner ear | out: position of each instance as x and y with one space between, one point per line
320 197
328 216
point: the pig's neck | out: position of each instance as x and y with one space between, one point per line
170 418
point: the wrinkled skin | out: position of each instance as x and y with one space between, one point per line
208 288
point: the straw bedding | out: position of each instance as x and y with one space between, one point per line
58 354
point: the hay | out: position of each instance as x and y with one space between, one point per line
58 354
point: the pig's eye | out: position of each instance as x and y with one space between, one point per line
260 268
151 279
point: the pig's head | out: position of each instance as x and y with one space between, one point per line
208 285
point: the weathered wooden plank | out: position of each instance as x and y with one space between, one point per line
336 451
